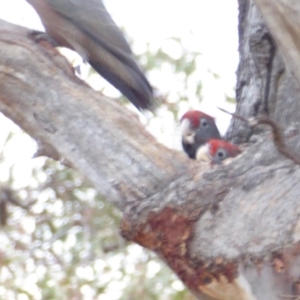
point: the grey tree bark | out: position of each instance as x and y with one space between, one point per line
228 232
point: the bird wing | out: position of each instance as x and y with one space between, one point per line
92 17
116 63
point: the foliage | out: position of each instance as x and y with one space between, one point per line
61 241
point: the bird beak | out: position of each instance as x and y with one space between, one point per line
188 135
203 155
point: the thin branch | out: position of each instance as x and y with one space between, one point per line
278 136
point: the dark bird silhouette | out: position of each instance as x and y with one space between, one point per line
86 27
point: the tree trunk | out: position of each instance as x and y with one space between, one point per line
229 232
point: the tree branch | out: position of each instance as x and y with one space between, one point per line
222 230
105 141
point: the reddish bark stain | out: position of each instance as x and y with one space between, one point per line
168 234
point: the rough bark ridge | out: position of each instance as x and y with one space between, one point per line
229 232
282 18
264 84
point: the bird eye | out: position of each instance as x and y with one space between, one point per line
221 154
204 122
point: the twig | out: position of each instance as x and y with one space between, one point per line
278 136
235 115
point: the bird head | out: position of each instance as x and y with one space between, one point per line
216 151
198 127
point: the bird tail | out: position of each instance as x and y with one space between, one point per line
136 89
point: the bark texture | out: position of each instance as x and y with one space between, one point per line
229 232
282 18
